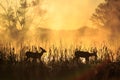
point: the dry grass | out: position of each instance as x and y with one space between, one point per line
58 64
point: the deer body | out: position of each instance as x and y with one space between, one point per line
35 55
85 55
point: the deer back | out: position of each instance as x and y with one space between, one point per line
81 54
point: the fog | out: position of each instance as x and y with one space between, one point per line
54 24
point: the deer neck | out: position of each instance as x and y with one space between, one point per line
92 54
42 52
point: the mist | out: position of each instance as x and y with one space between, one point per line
50 24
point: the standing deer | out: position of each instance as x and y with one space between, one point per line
85 55
35 55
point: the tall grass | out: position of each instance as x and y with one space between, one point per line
58 64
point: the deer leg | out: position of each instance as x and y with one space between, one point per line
34 60
95 58
40 60
26 59
87 59
75 59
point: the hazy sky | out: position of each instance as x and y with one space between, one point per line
69 14
65 14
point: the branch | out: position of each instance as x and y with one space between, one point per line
3 8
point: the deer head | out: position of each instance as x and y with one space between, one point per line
43 50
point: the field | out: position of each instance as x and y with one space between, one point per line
59 39
58 64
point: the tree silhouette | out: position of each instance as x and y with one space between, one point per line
107 16
14 17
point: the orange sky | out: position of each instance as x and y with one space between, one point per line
64 14
69 14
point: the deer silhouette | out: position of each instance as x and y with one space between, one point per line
35 55
85 54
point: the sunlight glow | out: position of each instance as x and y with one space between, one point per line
69 14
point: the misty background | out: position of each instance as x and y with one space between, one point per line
38 22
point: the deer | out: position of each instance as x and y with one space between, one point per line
35 55
85 54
